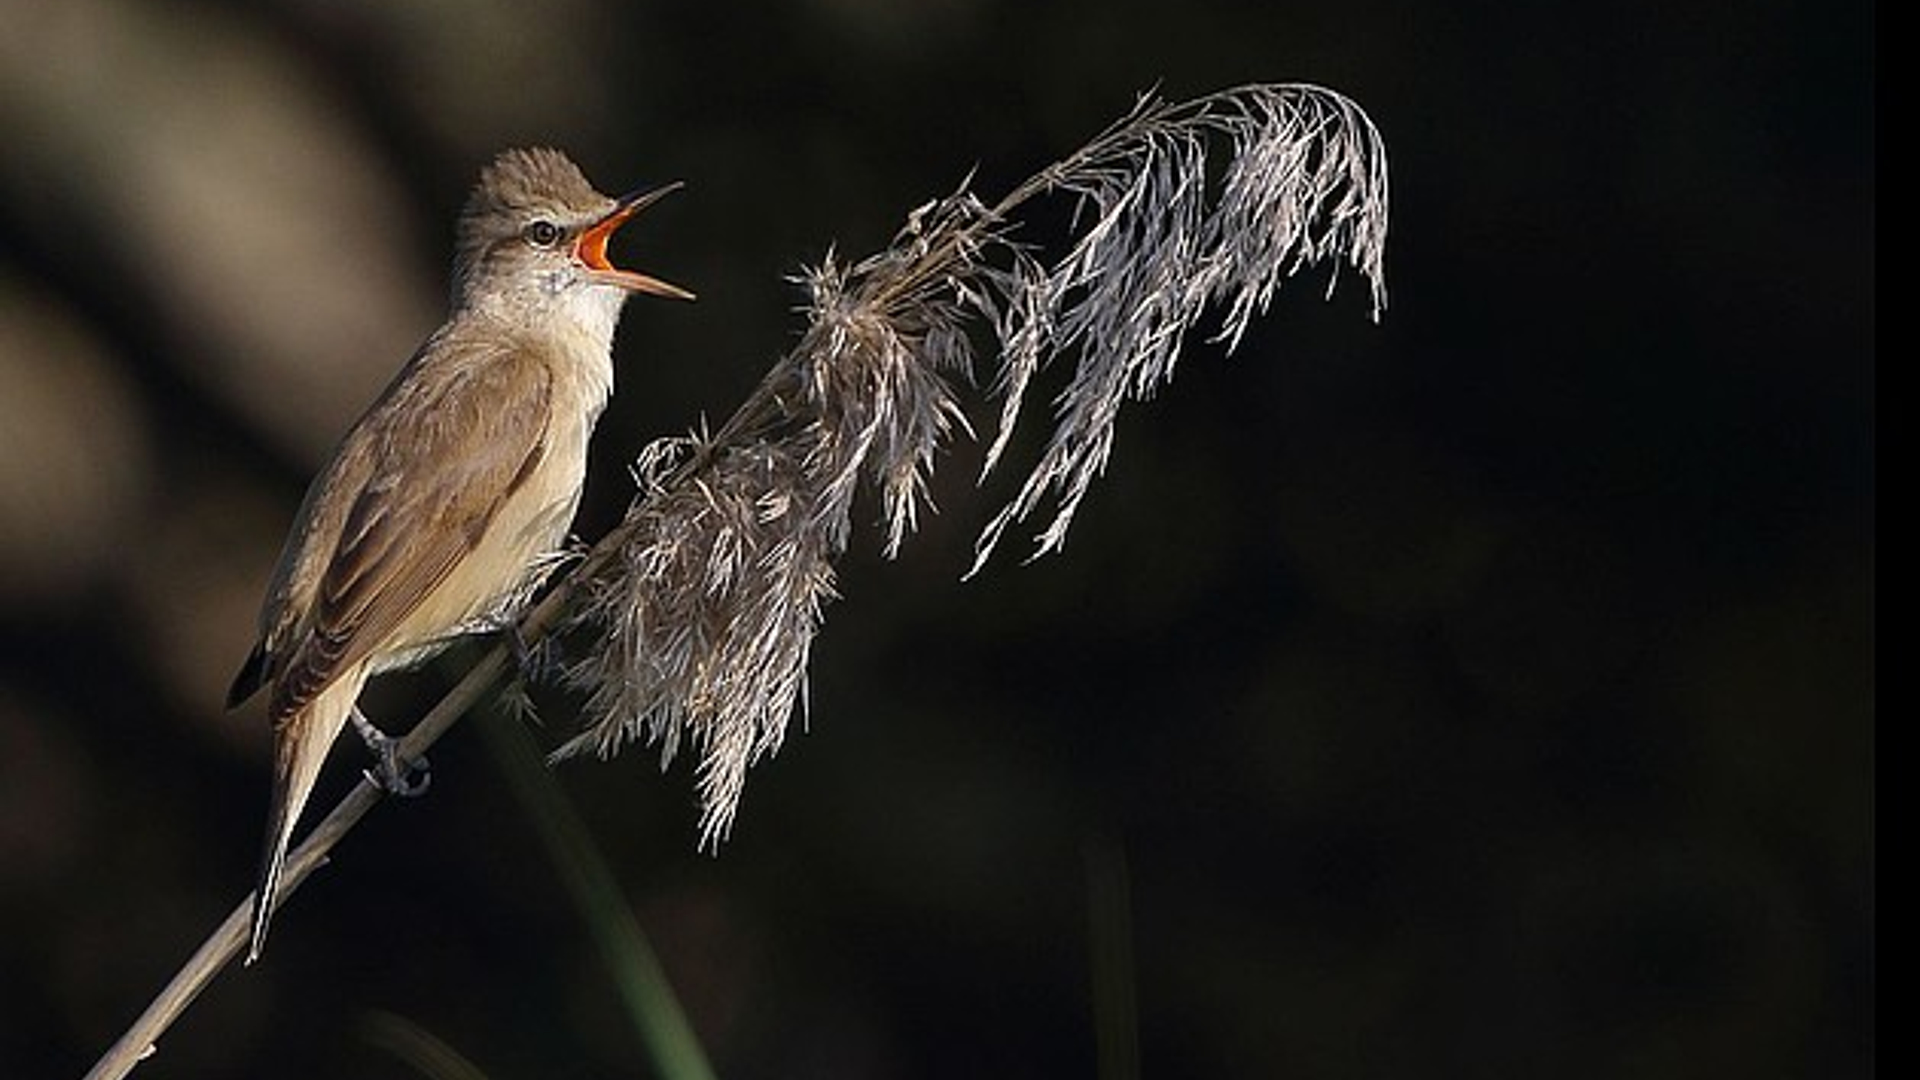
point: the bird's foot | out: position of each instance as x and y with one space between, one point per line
389 773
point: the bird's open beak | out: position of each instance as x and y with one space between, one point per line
591 247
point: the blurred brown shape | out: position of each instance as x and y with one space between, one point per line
73 450
196 160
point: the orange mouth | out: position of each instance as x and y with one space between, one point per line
591 248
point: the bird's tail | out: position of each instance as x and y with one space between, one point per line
300 745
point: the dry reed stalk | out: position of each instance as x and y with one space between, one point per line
701 607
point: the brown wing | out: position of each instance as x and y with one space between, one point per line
448 448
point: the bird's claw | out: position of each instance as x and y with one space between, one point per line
408 780
390 773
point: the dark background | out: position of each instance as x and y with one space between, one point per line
1484 693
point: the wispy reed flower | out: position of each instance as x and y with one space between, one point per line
702 612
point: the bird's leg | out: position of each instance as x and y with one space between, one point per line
389 773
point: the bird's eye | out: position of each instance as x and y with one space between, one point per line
542 233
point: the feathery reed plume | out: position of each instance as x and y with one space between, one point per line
703 611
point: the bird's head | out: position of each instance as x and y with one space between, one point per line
534 233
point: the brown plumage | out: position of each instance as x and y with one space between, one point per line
442 500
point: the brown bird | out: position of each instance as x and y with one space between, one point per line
442 502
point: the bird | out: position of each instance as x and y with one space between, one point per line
438 509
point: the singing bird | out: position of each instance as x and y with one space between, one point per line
436 510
